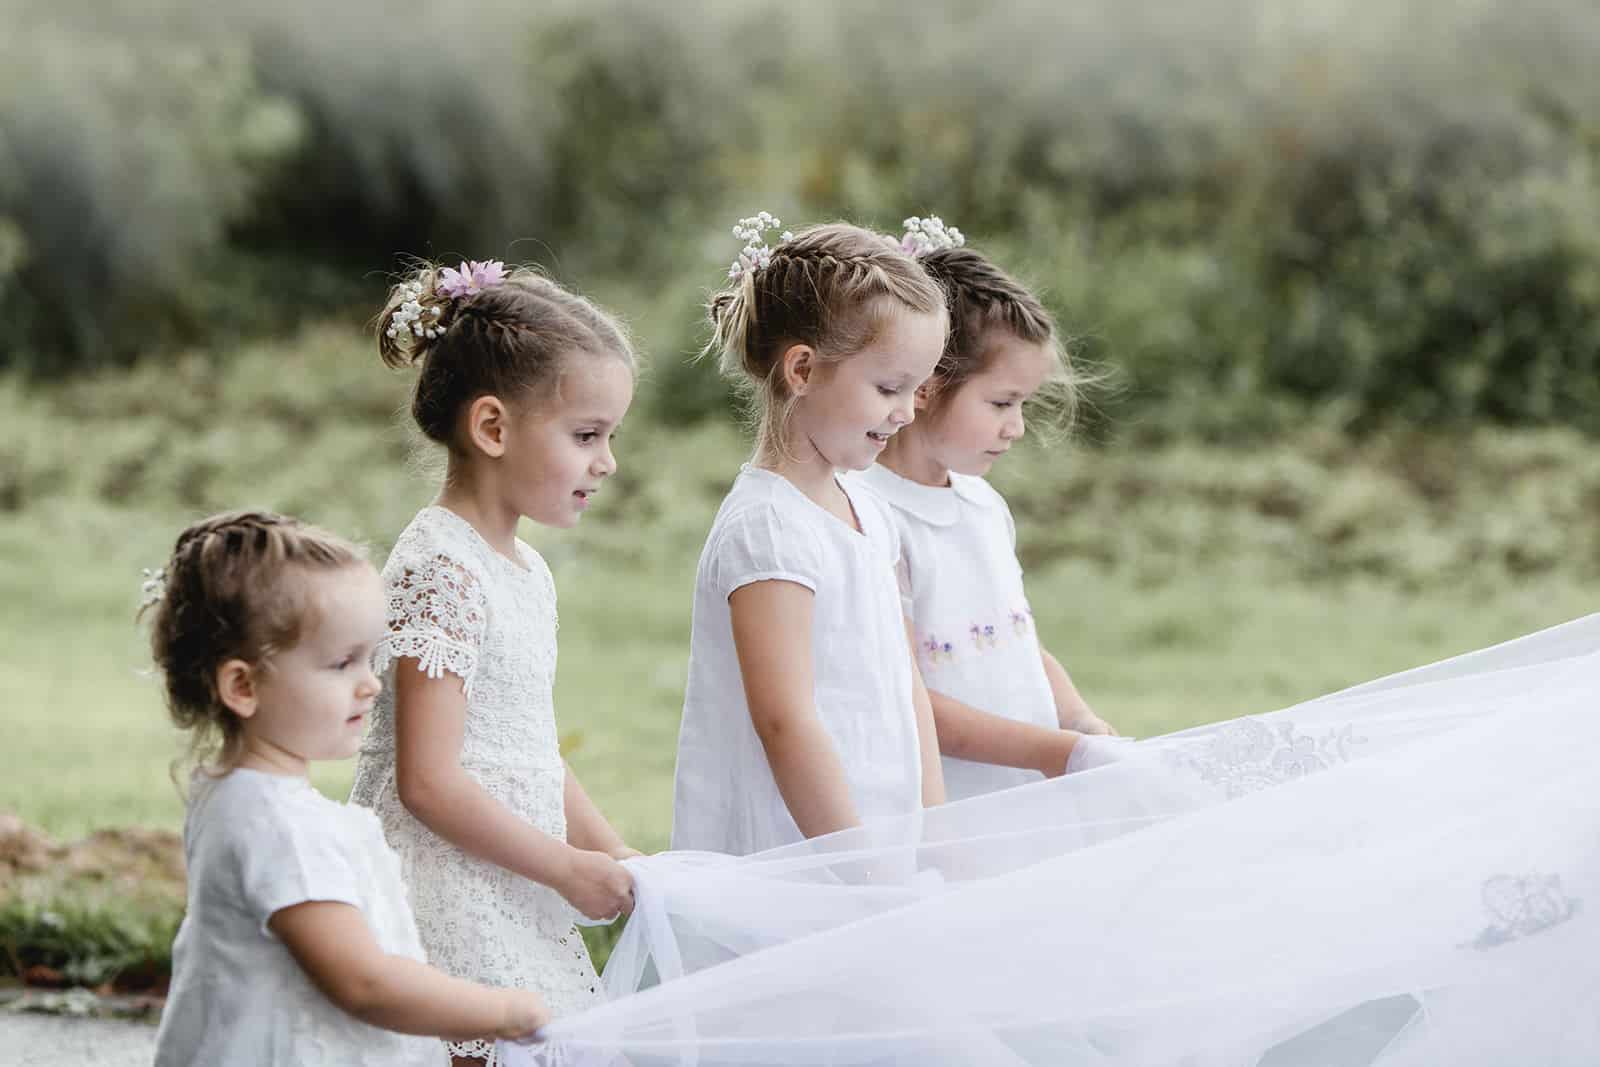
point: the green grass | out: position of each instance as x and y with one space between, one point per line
1180 583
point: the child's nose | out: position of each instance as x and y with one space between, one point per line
606 463
1015 426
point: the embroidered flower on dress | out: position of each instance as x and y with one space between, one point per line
1521 906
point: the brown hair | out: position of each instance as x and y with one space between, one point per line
831 287
501 341
229 592
982 299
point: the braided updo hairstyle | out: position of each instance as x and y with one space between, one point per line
504 341
831 287
232 589
983 300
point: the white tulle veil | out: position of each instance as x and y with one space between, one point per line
1403 873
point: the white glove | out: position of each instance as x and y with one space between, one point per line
1094 750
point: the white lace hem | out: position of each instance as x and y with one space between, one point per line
434 652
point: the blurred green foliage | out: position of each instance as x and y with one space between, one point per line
1248 209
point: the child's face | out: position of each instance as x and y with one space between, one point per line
854 406
560 451
313 699
974 426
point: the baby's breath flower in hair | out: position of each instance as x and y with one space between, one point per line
411 316
153 588
753 232
929 235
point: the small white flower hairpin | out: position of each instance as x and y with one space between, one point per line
929 235
411 317
153 588
753 232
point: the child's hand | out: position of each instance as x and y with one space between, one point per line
1096 751
1090 723
523 1012
597 885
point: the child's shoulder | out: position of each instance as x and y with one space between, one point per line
929 505
978 493
760 497
436 536
250 809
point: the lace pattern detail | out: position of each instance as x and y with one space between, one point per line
436 616
456 605
1521 906
1250 754
477 1050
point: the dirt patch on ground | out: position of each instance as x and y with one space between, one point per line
132 856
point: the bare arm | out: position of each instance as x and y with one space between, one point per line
982 737
587 828
772 636
430 717
927 730
1072 711
333 945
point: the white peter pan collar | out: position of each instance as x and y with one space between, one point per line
935 505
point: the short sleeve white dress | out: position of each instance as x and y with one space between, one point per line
961 586
254 844
458 607
725 798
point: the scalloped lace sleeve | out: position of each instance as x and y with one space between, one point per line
437 616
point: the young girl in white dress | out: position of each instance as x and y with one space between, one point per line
1007 711
298 947
804 713
524 384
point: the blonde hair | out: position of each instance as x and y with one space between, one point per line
831 287
504 341
983 299
229 591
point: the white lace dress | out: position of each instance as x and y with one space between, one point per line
457 606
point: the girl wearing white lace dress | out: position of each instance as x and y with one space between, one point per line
1006 710
804 713
297 948
524 384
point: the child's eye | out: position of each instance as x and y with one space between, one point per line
587 437
885 390
344 664
1003 404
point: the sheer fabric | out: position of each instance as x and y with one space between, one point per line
1401 873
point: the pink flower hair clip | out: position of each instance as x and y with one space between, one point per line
929 235
471 278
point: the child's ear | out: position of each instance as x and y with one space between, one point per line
926 393
487 426
236 687
799 364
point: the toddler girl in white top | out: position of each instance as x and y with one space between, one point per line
524 384
804 713
1006 710
298 947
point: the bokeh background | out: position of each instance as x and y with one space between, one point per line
1335 263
